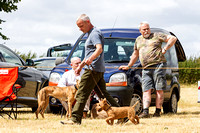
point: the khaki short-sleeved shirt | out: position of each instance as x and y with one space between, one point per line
150 51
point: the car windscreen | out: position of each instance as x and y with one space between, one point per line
59 51
115 49
7 56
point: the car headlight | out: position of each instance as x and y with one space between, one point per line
118 79
53 100
54 79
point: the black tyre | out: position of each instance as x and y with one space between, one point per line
135 97
172 105
34 109
55 110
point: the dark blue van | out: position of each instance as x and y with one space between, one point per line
125 86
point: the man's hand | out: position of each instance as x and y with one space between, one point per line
164 51
80 67
124 67
88 61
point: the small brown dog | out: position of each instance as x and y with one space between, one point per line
118 112
62 93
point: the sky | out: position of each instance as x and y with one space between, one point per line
40 24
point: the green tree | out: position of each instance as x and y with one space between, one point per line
24 56
189 71
7 6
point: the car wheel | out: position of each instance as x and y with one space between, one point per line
55 110
34 109
135 97
172 105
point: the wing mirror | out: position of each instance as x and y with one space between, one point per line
29 62
59 60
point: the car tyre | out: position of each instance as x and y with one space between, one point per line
137 96
55 110
172 105
34 109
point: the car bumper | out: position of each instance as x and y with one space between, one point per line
122 93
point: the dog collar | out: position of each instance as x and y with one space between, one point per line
75 87
108 108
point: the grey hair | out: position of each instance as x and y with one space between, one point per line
83 17
74 58
143 22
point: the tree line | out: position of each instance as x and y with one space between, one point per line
189 70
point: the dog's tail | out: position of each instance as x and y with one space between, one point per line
135 103
44 93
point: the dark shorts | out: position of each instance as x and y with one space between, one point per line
154 77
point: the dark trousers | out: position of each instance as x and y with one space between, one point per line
87 84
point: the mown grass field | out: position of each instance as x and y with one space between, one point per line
187 120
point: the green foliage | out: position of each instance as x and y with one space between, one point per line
189 71
43 55
24 56
3 36
7 6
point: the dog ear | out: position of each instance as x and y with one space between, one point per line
104 101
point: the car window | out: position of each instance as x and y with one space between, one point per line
60 53
10 57
118 49
44 64
80 50
171 56
114 49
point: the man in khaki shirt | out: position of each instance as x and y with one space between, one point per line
151 54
